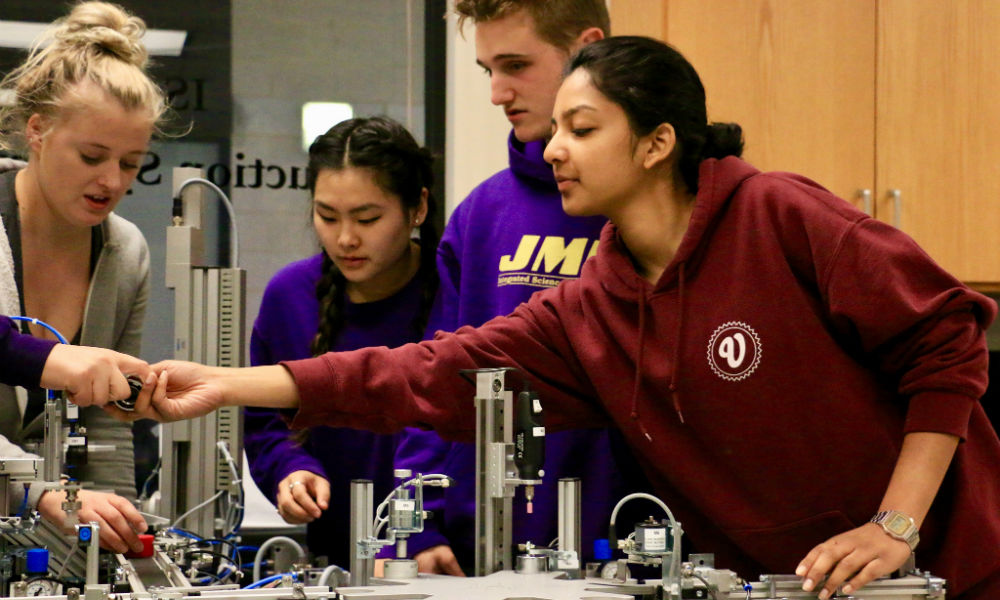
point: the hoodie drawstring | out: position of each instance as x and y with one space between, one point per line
638 365
677 344
675 397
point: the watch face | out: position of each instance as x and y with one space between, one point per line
898 524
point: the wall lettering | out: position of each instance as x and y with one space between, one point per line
244 173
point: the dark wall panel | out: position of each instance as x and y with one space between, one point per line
198 81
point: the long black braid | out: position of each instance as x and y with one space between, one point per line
400 167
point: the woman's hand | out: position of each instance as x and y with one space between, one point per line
302 497
860 555
856 557
119 521
181 390
185 390
91 375
438 559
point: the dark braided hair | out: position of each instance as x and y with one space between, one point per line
400 167
655 84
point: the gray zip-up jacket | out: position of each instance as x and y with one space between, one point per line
116 305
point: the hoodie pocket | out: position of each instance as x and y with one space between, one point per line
781 547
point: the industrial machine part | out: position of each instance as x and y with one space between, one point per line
135 385
498 462
362 564
209 327
404 516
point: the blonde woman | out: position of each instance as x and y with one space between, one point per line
84 113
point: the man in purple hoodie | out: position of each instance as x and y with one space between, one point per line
508 239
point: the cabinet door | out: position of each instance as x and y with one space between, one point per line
938 138
797 75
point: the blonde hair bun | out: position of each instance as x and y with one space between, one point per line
97 42
107 28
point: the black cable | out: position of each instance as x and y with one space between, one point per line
211 541
217 556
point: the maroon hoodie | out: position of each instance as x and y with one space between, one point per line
766 381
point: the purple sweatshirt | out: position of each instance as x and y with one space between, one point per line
284 329
509 239
22 357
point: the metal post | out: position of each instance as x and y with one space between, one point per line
494 437
362 506
52 450
93 554
569 519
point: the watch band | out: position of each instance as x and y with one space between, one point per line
898 525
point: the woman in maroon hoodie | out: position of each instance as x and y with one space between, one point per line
799 381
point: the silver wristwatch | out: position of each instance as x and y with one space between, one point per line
898 525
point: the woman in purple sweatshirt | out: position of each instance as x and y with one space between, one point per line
372 285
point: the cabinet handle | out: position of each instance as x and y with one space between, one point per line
866 201
897 208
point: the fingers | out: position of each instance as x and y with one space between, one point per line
857 557
89 388
298 494
438 560
302 492
292 513
118 388
117 531
154 389
151 386
869 573
812 568
321 491
130 513
126 365
820 561
449 564
90 376
130 365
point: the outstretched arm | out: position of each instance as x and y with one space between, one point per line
186 390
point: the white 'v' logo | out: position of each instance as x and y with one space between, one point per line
727 346
734 351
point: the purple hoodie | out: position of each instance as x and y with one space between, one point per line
509 239
22 357
284 329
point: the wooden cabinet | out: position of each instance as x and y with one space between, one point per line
895 97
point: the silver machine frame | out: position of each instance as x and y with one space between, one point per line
496 476
209 328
